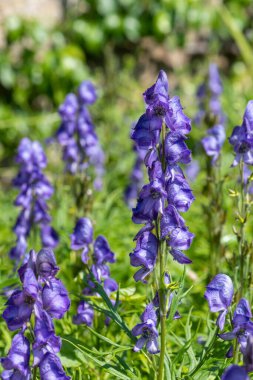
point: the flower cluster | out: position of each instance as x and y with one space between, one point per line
210 111
35 190
167 192
82 238
136 179
242 138
44 296
76 134
219 294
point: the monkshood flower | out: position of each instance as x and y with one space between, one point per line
242 327
235 372
44 296
241 138
147 330
161 134
95 255
35 190
16 364
77 136
219 294
136 179
214 141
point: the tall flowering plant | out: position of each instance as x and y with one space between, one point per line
210 115
241 140
161 132
82 153
95 256
31 310
35 190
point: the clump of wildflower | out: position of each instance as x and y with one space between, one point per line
241 138
35 190
161 134
95 255
44 296
77 136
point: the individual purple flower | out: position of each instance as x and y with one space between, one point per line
242 146
159 89
82 235
55 298
235 372
77 136
242 326
51 368
101 251
85 314
248 119
147 330
219 294
150 202
144 255
214 141
176 150
176 120
46 264
18 311
35 190
16 364
146 132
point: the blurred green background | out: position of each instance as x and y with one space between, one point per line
120 45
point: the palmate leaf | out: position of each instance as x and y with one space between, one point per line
84 355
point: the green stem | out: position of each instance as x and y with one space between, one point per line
242 237
163 309
34 373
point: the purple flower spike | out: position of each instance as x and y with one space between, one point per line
51 368
46 264
55 298
16 363
234 372
83 234
85 314
219 294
